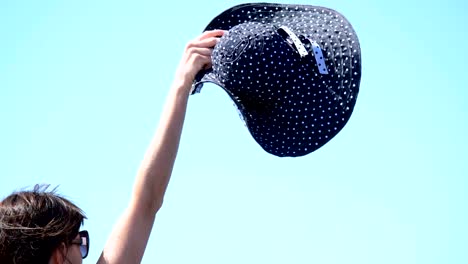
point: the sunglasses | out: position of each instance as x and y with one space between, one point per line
83 242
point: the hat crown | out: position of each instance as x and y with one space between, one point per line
244 50
240 38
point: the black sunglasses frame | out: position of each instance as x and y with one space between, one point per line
83 242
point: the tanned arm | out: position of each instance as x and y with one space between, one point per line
130 235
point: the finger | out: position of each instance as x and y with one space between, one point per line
207 63
205 43
212 33
201 51
199 61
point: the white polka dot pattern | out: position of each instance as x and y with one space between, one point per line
289 107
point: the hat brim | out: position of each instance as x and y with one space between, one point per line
271 13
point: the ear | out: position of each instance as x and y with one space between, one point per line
58 255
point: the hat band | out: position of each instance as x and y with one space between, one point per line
318 55
294 41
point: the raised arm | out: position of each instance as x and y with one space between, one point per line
130 235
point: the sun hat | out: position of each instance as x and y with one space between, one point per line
293 71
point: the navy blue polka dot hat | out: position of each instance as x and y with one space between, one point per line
293 72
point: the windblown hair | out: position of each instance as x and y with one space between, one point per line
34 223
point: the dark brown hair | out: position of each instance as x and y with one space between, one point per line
34 223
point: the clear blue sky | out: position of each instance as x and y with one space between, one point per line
81 89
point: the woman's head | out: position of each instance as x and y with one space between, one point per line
36 224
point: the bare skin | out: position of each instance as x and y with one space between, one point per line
130 235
